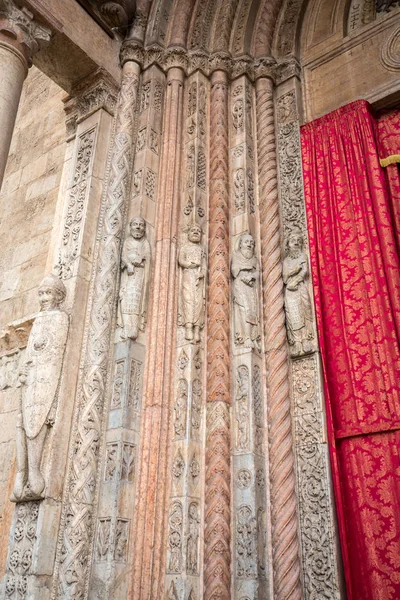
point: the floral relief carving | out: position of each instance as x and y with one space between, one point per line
111 465
175 526
242 409
197 399
158 96
246 552
180 408
135 376
103 539
239 190
178 467
243 479
128 462
150 185
141 139
116 398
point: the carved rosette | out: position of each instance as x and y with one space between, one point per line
217 555
77 527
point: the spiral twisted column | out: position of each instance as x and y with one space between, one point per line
285 541
217 555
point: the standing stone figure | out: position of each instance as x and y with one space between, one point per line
297 299
192 261
193 540
40 376
246 273
135 266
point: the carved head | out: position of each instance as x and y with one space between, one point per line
294 245
137 227
195 233
247 245
51 293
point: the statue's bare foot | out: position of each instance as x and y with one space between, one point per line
18 486
36 483
189 332
134 332
296 349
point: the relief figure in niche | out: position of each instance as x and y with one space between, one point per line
297 298
192 262
193 539
40 377
245 271
135 266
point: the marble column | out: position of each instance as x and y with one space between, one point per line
20 38
147 579
217 535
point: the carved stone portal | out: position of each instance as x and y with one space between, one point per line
39 376
297 298
135 265
246 272
192 261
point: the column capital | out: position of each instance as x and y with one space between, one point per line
19 30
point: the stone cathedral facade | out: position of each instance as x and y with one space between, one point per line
162 414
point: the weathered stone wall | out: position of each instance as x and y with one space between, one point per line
27 207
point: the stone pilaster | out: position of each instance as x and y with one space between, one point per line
20 37
151 528
217 534
320 555
76 535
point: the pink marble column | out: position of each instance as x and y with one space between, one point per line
150 512
217 537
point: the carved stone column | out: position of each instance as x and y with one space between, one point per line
285 543
151 530
217 535
320 555
20 38
73 558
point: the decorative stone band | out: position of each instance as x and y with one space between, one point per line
193 60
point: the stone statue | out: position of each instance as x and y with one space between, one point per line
245 271
193 540
135 266
192 262
40 376
297 299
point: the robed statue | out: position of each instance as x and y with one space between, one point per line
40 376
246 273
192 263
297 298
135 266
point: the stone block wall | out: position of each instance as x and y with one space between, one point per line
28 201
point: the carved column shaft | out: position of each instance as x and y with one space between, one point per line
217 538
285 544
76 532
151 530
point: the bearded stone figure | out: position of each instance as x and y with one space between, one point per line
40 377
297 299
135 266
192 262
246 273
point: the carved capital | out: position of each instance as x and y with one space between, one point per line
265 67
20 30
176 57
96 91
131 51
243 65
287 68
220 61
198 60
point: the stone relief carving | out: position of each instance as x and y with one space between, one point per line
243 479
172 594
175 524
239 190
178 467
103 539
141 139
111 466
386 5
246 533
154 141
137 183
242 409
134 385
116 399
135 265
121 540
158 96
194 470
76 206
40 376
21 550
197 397
9 371
390 53
192 545
117 14
250 191
297 298
180 408
261 543
128 462
246 272
193 268
257 397
238 114
150 185
145 96
183 360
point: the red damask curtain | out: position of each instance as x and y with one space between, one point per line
351 215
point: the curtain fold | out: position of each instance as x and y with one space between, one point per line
356 277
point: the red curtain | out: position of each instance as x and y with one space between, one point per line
356 277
